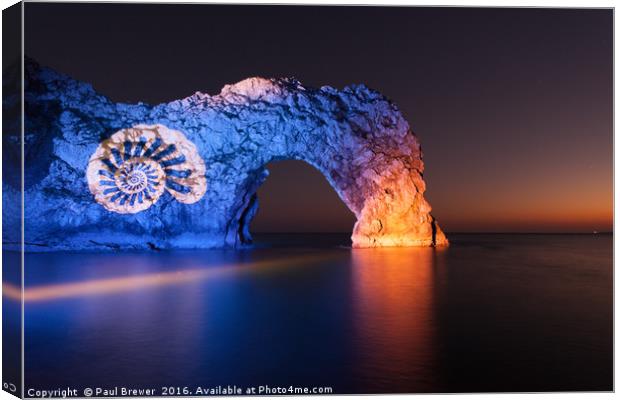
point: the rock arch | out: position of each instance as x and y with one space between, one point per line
356 137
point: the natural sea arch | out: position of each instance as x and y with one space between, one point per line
377 186
184 174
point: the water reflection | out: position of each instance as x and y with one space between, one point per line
499 313
394 319
141 279
208 318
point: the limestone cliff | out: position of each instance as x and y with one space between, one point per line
184 174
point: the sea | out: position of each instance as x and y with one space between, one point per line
306 313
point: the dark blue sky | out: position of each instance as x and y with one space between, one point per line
513 106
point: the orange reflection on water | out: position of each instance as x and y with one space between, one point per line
394 318
143 281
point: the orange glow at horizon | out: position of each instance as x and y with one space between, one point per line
558 207
532 221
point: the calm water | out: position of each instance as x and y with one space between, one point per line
490 313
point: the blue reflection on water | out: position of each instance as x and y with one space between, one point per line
361 321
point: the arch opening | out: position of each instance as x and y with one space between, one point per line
296 198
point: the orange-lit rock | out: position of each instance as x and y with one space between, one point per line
389 199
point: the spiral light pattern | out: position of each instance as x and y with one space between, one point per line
131 170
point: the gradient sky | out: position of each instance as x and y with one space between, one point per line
513 107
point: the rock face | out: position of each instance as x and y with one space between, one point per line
104 175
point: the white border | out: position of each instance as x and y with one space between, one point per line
461 3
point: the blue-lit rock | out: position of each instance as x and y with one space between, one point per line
356 137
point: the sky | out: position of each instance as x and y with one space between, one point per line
513 107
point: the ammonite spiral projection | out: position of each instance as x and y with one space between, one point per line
132 169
